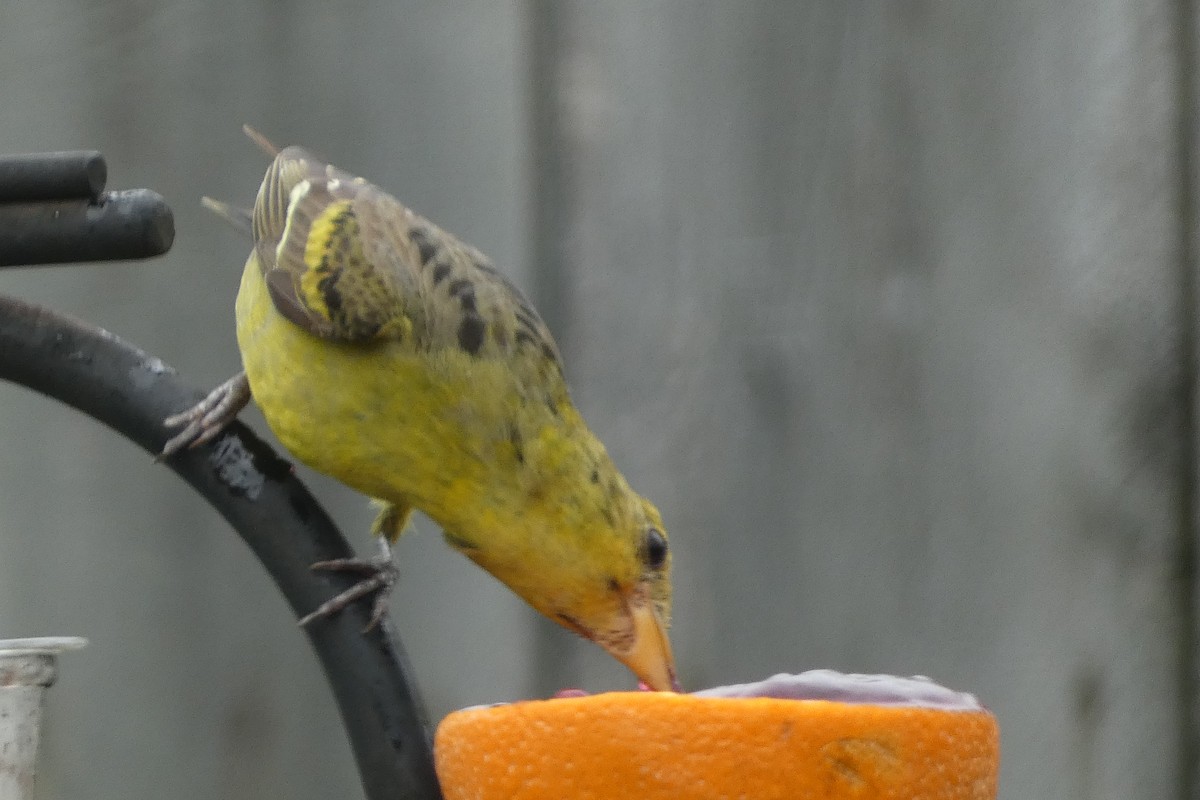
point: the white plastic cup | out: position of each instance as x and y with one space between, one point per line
27 668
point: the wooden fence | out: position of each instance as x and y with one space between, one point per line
891 307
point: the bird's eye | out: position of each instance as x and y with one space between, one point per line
655 549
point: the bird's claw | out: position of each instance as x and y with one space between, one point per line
209 417
379 576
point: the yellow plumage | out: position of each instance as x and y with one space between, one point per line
389 355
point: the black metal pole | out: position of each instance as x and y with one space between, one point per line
78 174
135 223
254 489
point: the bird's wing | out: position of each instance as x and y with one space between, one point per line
347 261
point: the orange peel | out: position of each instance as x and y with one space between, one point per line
659 745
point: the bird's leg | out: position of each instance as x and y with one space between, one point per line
379 572
379 576
209 417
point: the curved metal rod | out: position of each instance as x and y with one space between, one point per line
254 489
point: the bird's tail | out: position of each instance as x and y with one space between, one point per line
263 142
240 218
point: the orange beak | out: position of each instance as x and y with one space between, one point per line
649 657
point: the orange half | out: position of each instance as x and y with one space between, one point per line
658 745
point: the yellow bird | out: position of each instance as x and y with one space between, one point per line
388 354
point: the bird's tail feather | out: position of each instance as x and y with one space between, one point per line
240 218
263 142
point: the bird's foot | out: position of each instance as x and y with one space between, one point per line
209 417
379 576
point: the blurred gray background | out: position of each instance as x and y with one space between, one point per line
889 306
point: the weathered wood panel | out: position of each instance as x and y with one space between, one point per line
881 302
884 304
197 683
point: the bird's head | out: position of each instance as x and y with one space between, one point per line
598 564
624 598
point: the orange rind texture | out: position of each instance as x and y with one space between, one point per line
654 745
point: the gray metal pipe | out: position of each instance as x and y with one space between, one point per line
136 223
71 175
27 668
